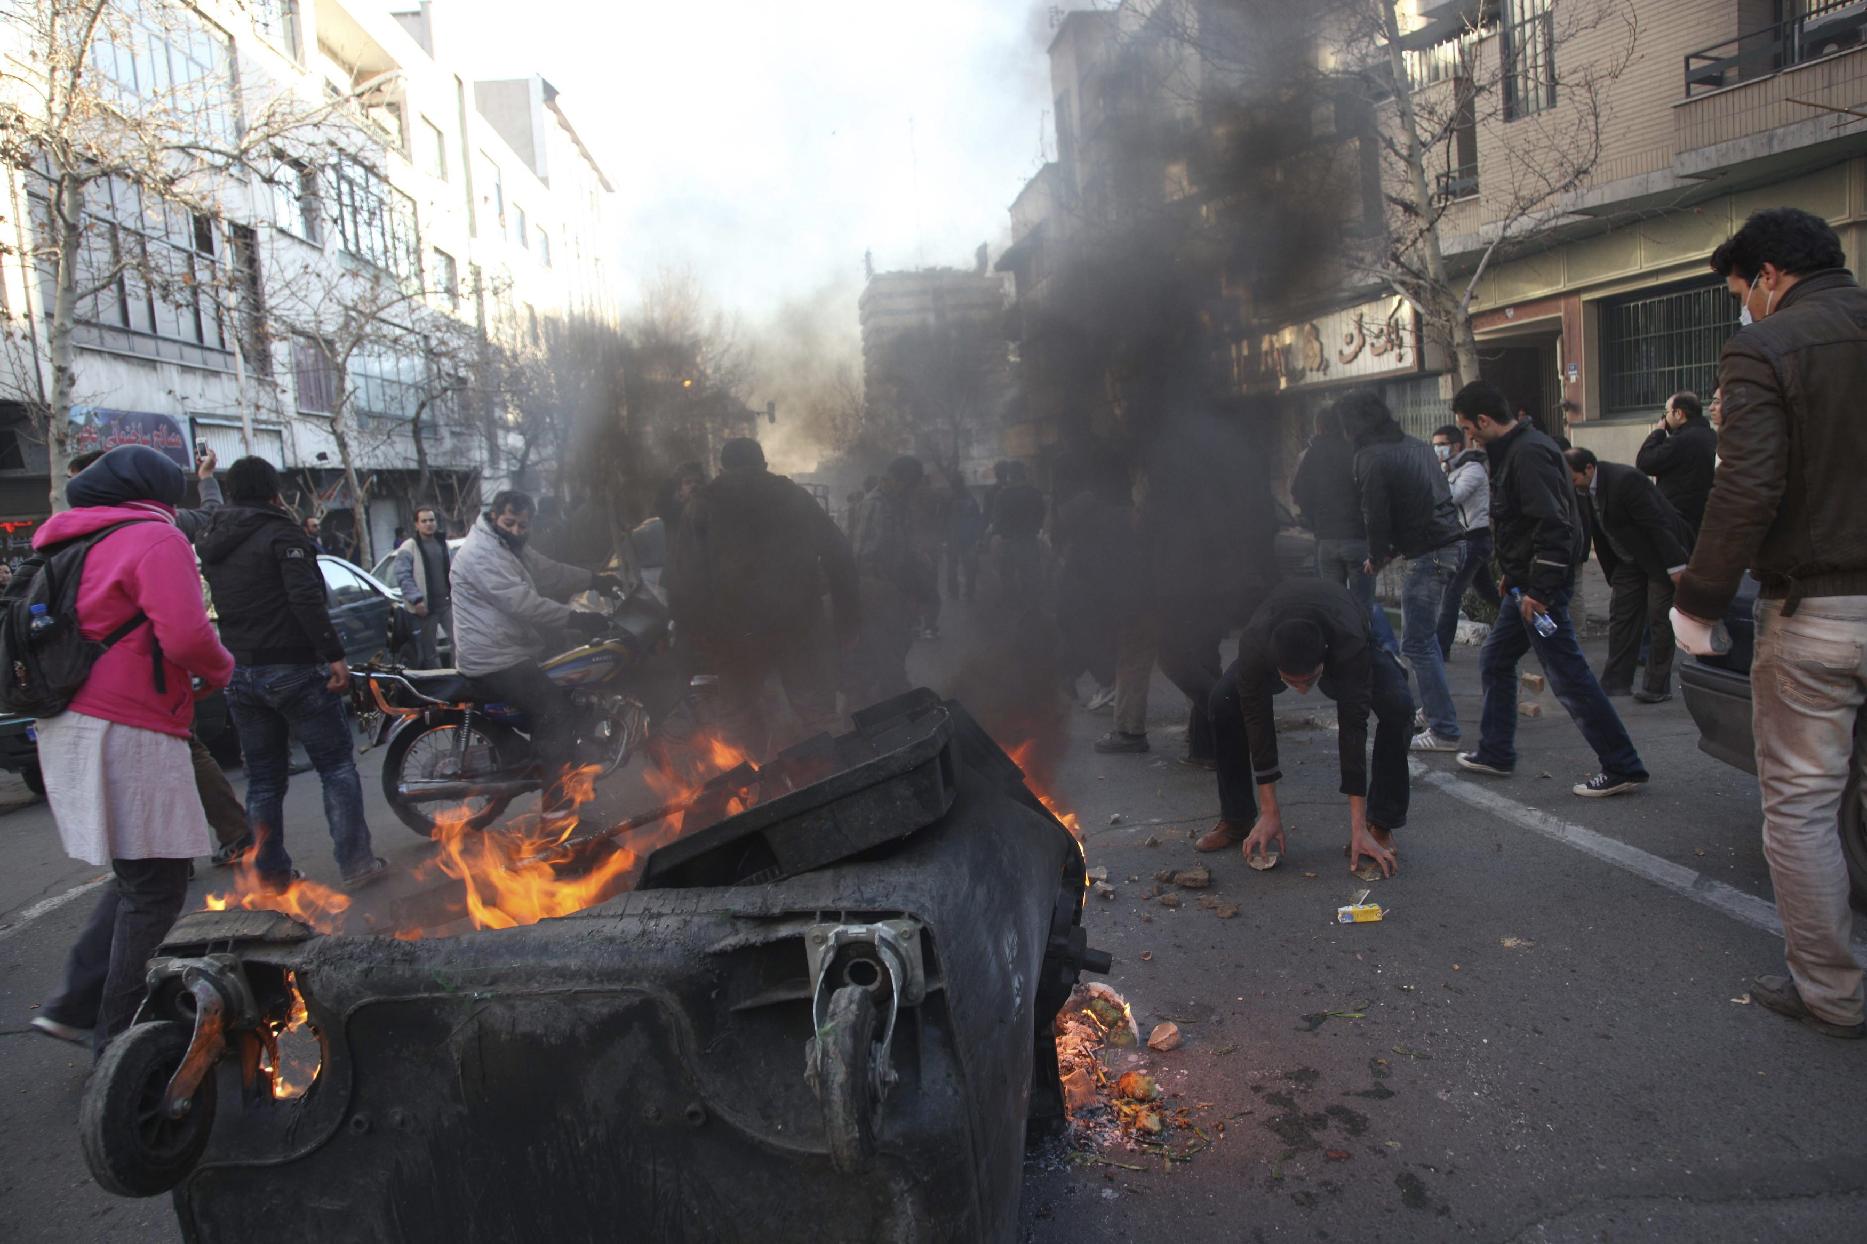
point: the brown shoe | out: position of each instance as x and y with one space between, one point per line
1219 837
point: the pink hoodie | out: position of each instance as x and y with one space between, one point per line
150 568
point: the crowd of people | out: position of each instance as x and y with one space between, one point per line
1152 560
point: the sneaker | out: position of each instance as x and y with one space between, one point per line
1103 698
1115 743
1469 760
1617 693
930 632
1779 994
1427 741
64 1032
369 876
1419 720
1643 696
229 855
1604 784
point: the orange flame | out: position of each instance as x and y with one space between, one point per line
1021 756
295 1054
316 905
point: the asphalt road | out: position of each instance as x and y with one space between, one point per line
1541 1042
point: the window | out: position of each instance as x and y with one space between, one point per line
150 278
447 278
151 53
298 201
1460 180
375 220
347 587
494 192
544 248
279 19
478 290
1655 345
255 342
1528 48
520 232
385 383
314 377
531 325
433 149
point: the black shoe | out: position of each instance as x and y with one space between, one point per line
1469 760
1199 762
1115 743
377 870
1644 696
230 854
1617 693
1604 784
1780 994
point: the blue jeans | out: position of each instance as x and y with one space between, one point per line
1428 576
1340 561
270 703
1474 572
1569 677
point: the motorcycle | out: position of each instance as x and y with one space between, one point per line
450 748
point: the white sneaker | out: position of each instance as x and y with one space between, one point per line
1419 719
1427 741
1103 698
64 1032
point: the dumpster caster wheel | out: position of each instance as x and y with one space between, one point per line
847 1086
132 1145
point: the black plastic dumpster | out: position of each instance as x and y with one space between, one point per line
826 1019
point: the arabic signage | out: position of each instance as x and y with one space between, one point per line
97 428
1368 342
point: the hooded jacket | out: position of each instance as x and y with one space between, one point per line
1405 499
146 568
268 590
1681 463
1536 523
506 603
1468 475
1785 502
753 557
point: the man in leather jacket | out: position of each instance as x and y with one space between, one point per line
1785 504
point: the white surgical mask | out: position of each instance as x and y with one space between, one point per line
1444 452
1744 319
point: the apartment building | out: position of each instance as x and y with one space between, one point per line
934 363
369 295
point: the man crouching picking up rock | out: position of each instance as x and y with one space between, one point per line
1309 633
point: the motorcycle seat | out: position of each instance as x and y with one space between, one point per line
451 686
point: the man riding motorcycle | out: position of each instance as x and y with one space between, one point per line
508 613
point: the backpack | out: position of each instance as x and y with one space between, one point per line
42 669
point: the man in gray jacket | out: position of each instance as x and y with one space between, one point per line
1468 473
509 613
422 572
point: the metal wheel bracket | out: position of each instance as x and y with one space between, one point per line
223 1002
893 948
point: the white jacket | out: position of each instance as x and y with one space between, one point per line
505 605
1469 476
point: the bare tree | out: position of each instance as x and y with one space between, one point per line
1493 88
92 128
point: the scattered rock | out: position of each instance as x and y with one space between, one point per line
1147 956
1100 873
1529 710
1197 878
1115 818
1264 861
1137 1086
1533 683
1166 1036
1368 870
1225 911
1150 841
1337 1155
1515 943
1165 875
1170 900
1104 890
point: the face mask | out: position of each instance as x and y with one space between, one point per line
1744 319
1444 452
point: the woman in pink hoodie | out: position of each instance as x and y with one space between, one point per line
116 762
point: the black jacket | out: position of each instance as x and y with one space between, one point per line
268 592
754 556
1786 503
1629 510
1347 674
1405 499
1681 463
1018 512
1535 516
1324 490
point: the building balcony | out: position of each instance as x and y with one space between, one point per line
1774 91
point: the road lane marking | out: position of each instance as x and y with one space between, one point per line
45 906
1757 912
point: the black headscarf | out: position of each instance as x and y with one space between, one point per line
125 474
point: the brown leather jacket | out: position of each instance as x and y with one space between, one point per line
1792 448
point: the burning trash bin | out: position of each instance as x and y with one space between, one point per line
823 1012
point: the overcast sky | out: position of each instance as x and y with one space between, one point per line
767 145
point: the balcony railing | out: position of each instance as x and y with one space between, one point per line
1826 28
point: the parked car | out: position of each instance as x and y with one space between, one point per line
1717 693
369 619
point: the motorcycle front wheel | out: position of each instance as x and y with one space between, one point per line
438 753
